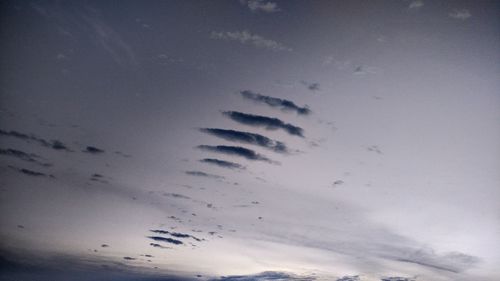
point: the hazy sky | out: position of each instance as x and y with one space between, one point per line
250 140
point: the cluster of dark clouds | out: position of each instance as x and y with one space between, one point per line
222 163
28 157
54 144
176 234
235 151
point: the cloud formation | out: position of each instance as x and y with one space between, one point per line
261 6
166 239
416 5
311 86
54 144
266 276
93 150
203 174
29 172
235 150
263 121
245 37
28 157
285 105
222 163
461 14
175 234
248 138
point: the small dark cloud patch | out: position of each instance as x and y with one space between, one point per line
374 148
104 245
93 150
397 279
98 178
166 239
248 138
176 234
129 258
311 86
338 182
236 151
283 104
269 123
176 195
20 226
30 172
349 278
266 276
54 144
222 163
203 174
156 245
28 157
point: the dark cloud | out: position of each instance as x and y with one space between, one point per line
285 105
158 246
54 144
175 234
312 86
166 239
349 278
222 163
129 258
28 157
397 279
263 121
374 148
176 195
30 172
235 150
104 245
203 174
266 276
247 137
93 150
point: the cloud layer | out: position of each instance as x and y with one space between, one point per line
248 138
285 105
236 151
269 123
245 37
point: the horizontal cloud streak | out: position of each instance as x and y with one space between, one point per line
275 102
28 157
247 137
235 150
203 174
222 163
166 239
54 144
264 121
245 37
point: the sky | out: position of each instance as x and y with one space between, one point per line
250 140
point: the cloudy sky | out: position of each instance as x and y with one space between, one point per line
250 140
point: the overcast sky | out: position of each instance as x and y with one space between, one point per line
270 140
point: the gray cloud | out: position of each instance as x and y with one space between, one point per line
93 150
235 150
276 102
166 239
416 5
261 6
29 172
262 121
203 174
54 144
461 14
349 278
397 279
222 163
28 157
312 86
248 138
176 234
267 276
245 37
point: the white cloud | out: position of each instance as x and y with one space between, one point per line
462 14
416 5
245 37
261 6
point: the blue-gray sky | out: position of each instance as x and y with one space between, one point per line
250 140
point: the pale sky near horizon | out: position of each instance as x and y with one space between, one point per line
270 140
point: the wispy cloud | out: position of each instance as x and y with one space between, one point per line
29 172
245 37
54 144
261 6
267 276
166 239
222 163
461 14
248 138
203 174
176 234
235 150
93 150
416 5
28 157
284 104
264 121
311 86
